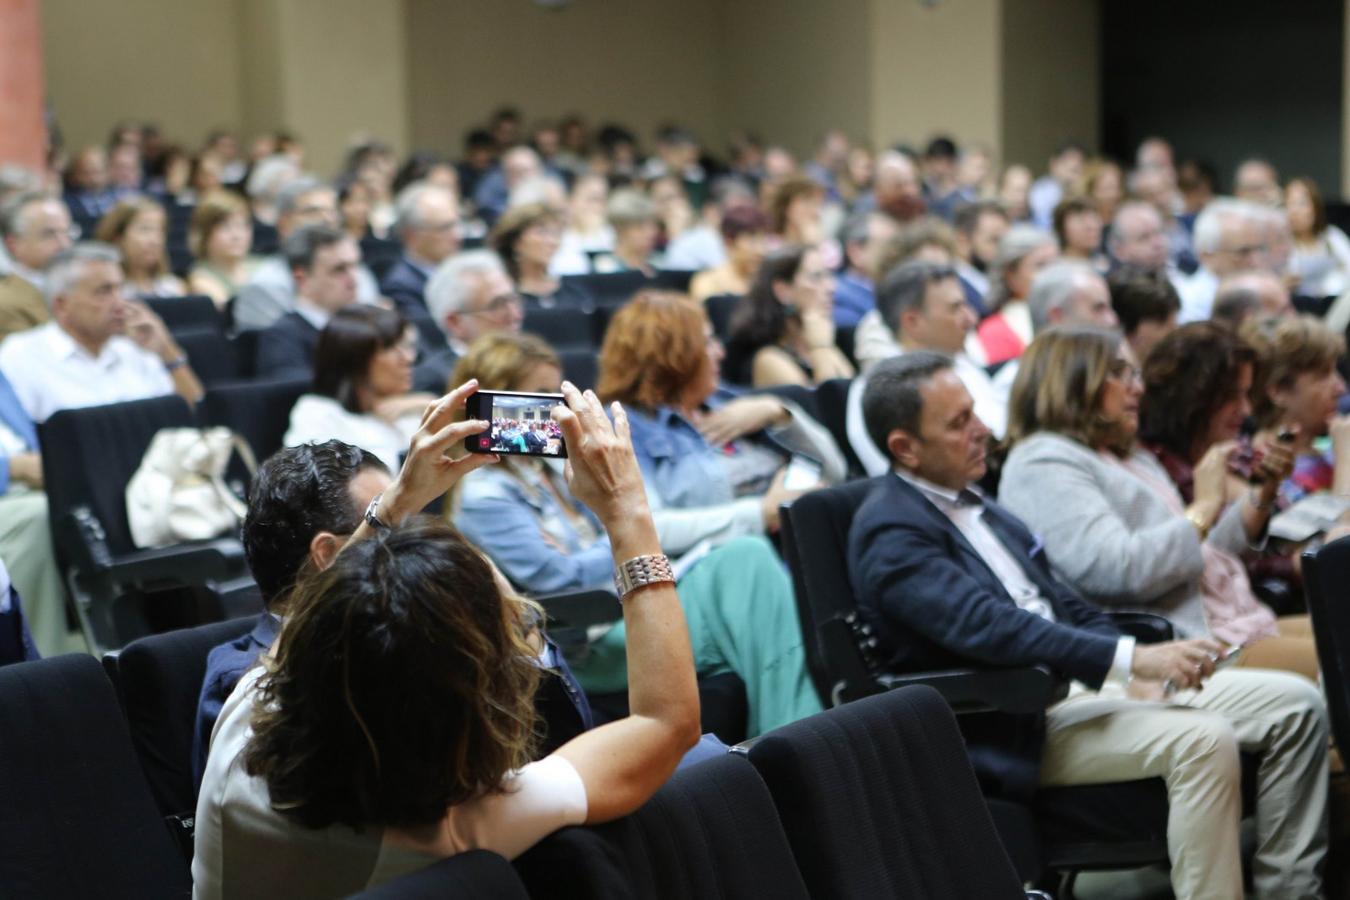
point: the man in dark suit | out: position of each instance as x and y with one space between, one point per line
323 261
427 225
948 578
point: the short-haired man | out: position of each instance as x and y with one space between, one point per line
979 227
1066 172
942 190
947 577
1252 294
469 295
1146 304
924 307
1255 180
427 224
99 347
865 234
1230 236
323 263
35 227
1137 237
896 187
270 292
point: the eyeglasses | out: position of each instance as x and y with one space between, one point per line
1125 372
499 305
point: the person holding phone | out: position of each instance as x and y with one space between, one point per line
1117 526
313 787
736 594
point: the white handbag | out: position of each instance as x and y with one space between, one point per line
179 492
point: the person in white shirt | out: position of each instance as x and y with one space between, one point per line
99 347
393 721
926 309
1230 236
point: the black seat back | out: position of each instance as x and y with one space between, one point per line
1326 576
260 411
611 289
832 404
815 542
565 328
193 311
76 817
719 308
711 831
211 354
475 875
878 799
159 679
89 455
580 366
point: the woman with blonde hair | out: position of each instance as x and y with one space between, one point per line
219 237
136 227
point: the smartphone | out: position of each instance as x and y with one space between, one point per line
1245 460
519 424
803 473
1233 655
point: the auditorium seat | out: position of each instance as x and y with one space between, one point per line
711 831
193 311
259 411
76 816
475 875
878 799
1326 577
613 289
832 405
210 354
565 328
719 308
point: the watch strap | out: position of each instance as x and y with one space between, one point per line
641 571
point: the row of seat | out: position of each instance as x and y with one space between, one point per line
871 799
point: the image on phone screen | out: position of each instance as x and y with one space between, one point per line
520 424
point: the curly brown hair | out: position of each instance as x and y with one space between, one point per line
654 345
1188 375
791 188
402 686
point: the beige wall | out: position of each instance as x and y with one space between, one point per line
640 62
936 69
1051 89
789 69
175 62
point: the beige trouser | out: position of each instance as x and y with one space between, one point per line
1193 745
26 548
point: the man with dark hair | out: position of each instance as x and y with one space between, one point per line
979 227
323 263
1066 172
948 578
865 234
304 503
941 189
1146 304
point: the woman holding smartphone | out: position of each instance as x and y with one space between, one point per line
735 592
393 722
1118 525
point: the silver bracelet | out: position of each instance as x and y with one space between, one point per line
641 571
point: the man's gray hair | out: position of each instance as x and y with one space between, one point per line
408 201
857 229
1053 288
892 400
12 210
905 287
1116 235
288 198
454 281
1209 224
67 267
628 206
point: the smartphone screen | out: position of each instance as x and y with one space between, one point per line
803 474
520 424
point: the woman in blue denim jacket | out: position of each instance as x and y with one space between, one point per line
736 595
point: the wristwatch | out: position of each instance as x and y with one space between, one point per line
372 517
641 571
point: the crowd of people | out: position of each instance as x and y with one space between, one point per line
1086 391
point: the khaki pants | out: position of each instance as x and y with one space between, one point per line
1193 745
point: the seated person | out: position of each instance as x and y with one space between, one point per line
1146 305
636 224
99 347
270 292
782 332
527 238
744 230
34 228
736 595
362 392
1022 252
865 235
948 578
312 787
1118 525
219 237
136 226
469 295
427 225
323 263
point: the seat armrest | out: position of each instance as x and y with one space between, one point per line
580 609
1019 691
1146 628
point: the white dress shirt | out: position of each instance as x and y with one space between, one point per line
967 514
1197 295
316 418
50 371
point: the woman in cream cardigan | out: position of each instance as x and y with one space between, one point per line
1114 525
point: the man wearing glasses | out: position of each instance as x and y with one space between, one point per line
35 228
1229 238
469 295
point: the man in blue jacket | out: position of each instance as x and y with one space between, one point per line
948 578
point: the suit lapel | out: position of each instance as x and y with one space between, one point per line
975 563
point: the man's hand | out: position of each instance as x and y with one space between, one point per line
26 468
428 472
148 331
742 416
1186 664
